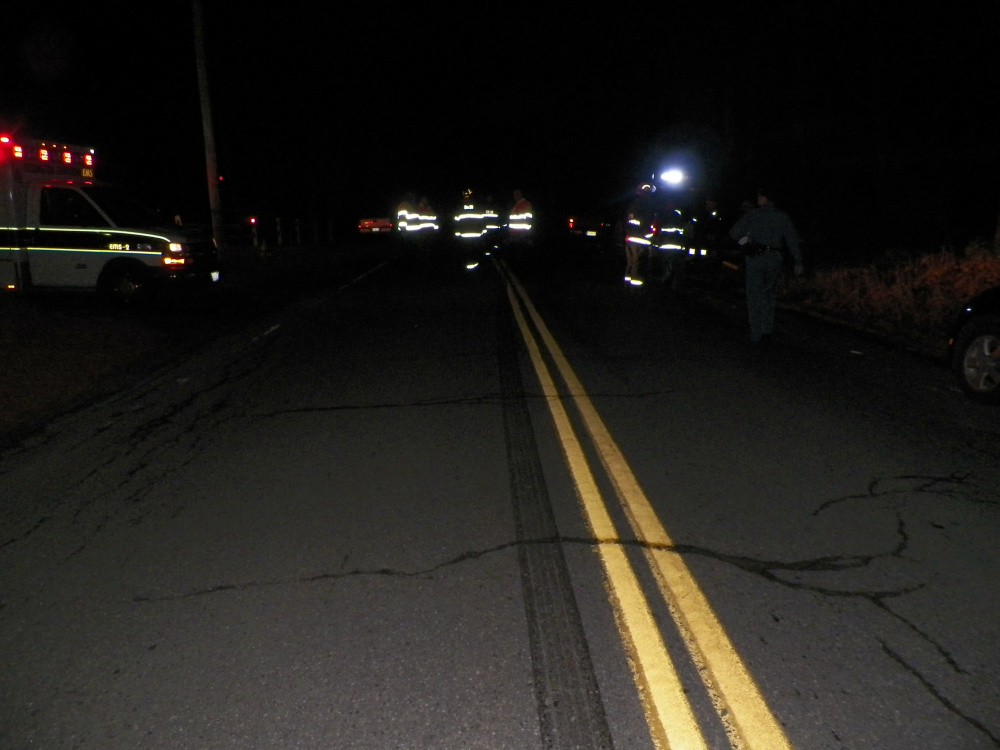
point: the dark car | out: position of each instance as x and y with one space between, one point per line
974 345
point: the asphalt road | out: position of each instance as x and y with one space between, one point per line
509 507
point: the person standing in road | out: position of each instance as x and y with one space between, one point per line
518 236
763 233
520 218
405 217
636 232
707 238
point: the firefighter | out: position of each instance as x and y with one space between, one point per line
637 232
405 214
669 249
520 219
470 219
491 219
426 218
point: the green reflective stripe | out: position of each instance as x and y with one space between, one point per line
91 250
103 241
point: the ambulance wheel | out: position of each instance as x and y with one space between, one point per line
124 283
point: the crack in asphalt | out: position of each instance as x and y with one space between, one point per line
37 525
901 489
487 398
938 696
769 570
954 485
764 568
139 454
143 432
473 400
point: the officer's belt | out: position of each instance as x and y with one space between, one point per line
758 248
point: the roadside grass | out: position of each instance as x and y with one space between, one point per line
913 299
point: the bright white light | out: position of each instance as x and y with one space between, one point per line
673 177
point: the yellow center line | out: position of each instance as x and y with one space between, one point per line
668 712
742 709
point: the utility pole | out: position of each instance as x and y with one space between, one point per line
996 235
211 165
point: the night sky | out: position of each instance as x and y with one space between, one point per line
877 124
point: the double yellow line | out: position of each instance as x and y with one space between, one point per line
748 722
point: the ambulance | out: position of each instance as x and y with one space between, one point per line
60 228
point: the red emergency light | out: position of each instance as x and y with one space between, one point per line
56 159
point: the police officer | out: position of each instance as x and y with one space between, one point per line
763 233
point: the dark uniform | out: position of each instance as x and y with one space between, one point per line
472 218
708 238
763 233
669 252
